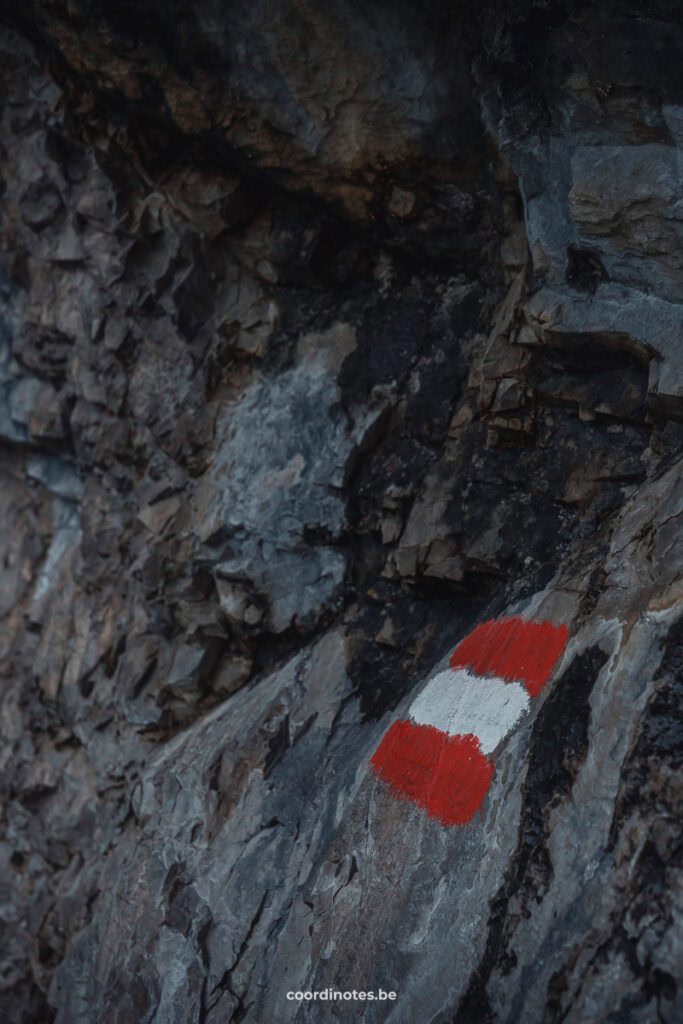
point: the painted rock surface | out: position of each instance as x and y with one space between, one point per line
441 757
336 337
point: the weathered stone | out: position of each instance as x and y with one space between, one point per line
156 516
38 406
40 204
59 477
325 335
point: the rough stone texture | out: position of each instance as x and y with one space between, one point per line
326 332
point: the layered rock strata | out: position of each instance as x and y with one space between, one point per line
327 332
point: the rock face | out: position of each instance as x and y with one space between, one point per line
326 333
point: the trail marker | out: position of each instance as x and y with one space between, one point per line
441 757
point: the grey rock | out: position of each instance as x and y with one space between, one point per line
327 334
58 476
36 406
281 453
40 204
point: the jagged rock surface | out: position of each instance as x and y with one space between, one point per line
327 332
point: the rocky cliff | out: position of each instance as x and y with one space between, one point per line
328 332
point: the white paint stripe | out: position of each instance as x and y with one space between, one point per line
461 704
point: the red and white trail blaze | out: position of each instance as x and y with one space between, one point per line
440 758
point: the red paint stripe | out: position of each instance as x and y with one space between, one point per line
447 775
514 649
